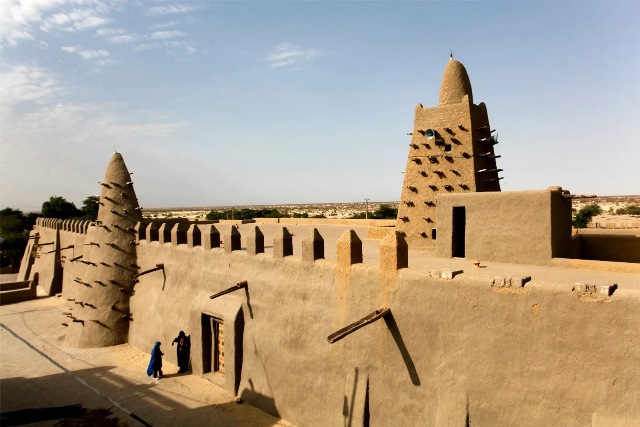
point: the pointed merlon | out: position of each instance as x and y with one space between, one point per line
349 250
232 240
210 236
312 246
255 241
282 243
394 253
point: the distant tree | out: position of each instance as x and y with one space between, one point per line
386 212
90 208
584 215
59 207
13 237
213 215
383 212
244 214
30 220
629 210
318 216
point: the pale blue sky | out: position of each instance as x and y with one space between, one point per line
261 102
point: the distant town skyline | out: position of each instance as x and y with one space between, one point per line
221 103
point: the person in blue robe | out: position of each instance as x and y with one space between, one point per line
155 364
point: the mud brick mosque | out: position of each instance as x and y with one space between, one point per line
476 307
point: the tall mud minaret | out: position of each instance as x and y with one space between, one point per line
106 280
451 150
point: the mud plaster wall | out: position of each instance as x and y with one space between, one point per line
51 279
521 227
608 247
451 350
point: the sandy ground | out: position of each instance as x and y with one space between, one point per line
45 383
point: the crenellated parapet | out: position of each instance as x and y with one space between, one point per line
393 252
71 225
205 237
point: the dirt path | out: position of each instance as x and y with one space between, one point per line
43 382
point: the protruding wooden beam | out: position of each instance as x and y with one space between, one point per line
237 286
370 318
151 270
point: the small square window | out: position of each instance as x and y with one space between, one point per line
447 148
433 233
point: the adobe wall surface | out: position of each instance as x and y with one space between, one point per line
525 227
49 260
585 264
452 350
13 292
609 247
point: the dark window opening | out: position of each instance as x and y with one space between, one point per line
433 233
447 148
458 232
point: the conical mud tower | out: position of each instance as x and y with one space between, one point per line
451 150
106 282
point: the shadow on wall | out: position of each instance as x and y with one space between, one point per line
266 403
355 407
406 357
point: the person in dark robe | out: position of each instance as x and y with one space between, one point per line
155 364
183 351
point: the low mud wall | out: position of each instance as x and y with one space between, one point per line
608 245
452 351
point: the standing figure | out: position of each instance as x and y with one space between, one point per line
183 351
155 364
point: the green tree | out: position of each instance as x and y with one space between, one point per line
386 212
629 210
59 207
245 214
584 215
90 208
13 237
213 215
383 212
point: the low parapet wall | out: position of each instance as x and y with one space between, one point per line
608 245
52 242
328 221
13 292
453 350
